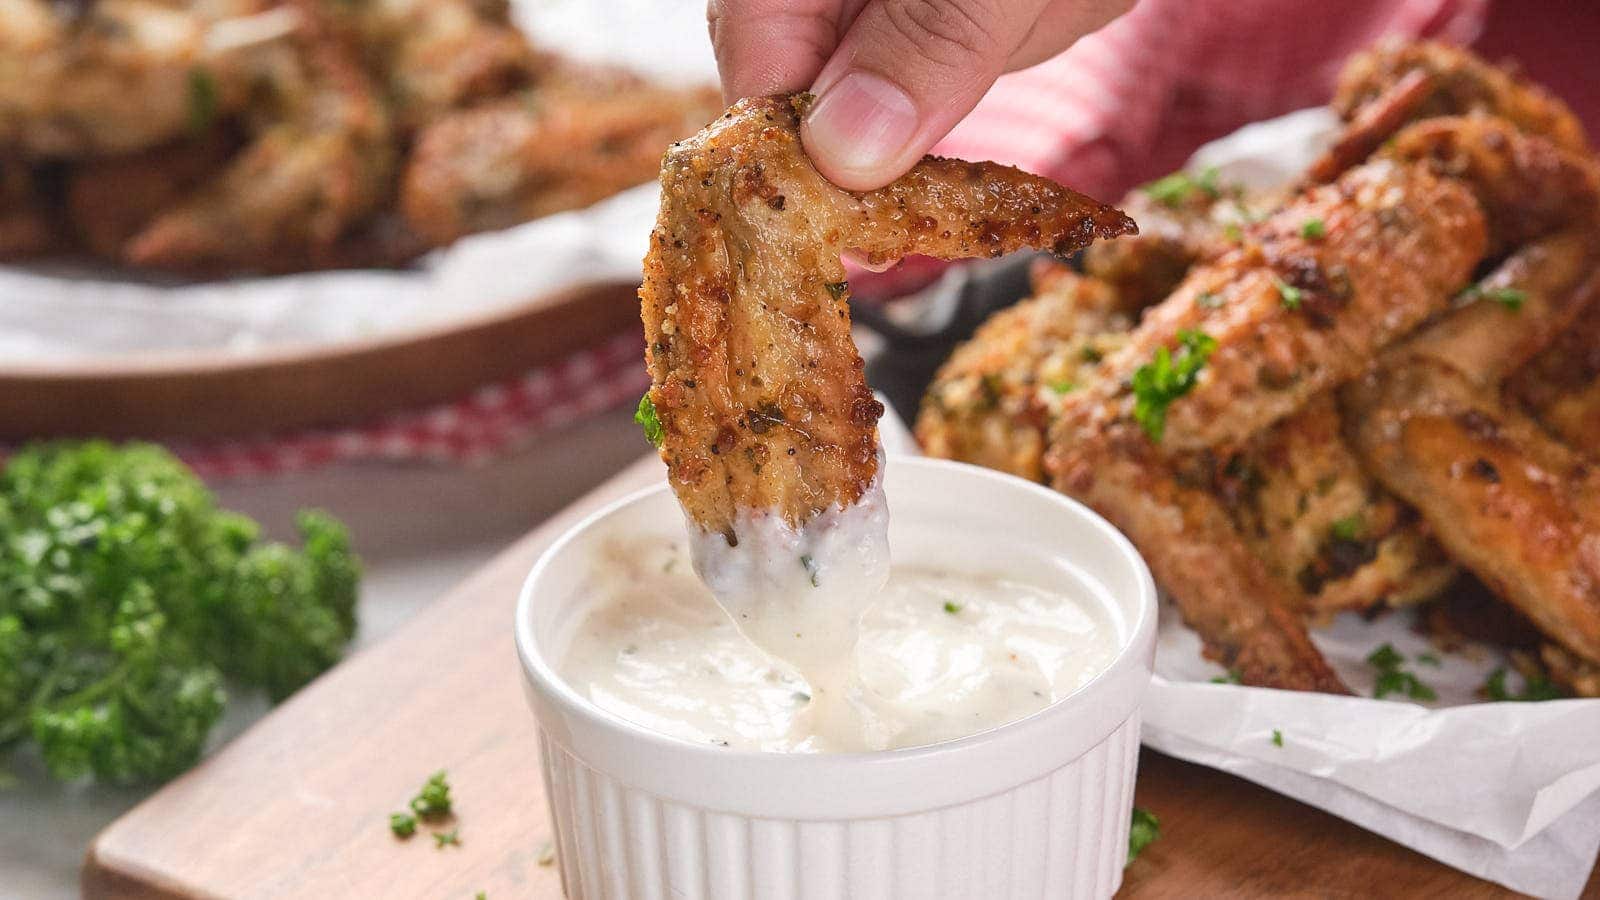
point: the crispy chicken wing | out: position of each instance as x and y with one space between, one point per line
1245 616
1518 509
1561 386
576 139
118 76
1183 218
1456 83
992 402
437 55
1294 316
1510 503
321 166
760 391
1303 503
111 200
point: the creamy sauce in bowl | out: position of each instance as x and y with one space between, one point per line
926 656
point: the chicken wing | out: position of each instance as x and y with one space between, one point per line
1245 616
1183 218
760 392
1518 509
576 139
1456 83
302 184
1304 505
438 55
992 402
119 76
1527 186
1295 315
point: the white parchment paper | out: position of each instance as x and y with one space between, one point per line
1506 791
62 314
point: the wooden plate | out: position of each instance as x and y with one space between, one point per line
218 394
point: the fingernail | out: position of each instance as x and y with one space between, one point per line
859 126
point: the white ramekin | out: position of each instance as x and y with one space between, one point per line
1037 808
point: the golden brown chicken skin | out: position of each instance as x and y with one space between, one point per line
1527 186
434 56
1509 503
574 140
1456 83
302 184
1305 506
1245 616
1294 316
760 392
1183 218
992 402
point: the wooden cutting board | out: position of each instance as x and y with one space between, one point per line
298 805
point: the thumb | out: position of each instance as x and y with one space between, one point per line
905 73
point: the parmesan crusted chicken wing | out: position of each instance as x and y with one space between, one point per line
117 76
1527 186
1245 616
1293 315
582 135
1509 502
759 389
992 402
1303 503
437 55
1455 83
321 166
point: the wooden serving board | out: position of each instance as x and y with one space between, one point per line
220 393
298 805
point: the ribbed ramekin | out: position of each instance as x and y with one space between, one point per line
1037 808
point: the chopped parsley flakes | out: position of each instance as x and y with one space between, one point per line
1064 386
1313 229
837 289
1166 378
952 607
1277 738
811 567
1173 190
442 839
1232 677
1393 679
1143 831
645 417
1509 297
202 101
1533 689
1288 293
1348 528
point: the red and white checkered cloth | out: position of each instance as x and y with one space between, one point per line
1122 106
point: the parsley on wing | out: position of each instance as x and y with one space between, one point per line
1167 377
645 417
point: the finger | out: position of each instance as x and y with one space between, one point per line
904 74
1060 26
774 46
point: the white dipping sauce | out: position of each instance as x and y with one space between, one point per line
929 656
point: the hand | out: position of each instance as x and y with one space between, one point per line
891 76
